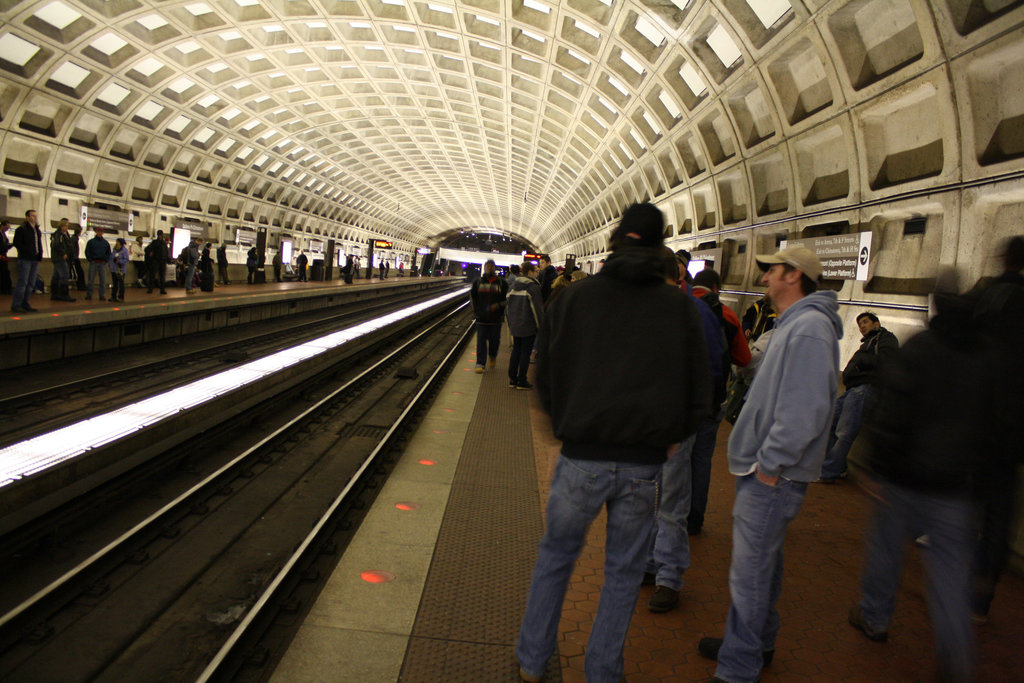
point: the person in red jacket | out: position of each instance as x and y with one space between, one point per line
706 284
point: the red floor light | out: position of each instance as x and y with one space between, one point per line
427 462
440 431
407 507
377 576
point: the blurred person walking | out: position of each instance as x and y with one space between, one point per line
5 272
222 263
927 432
622 370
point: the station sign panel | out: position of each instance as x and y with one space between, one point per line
843 257
382 244
110 221
532 257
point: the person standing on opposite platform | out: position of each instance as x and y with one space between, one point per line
859 377
775 449
706 285
623 371
156 262
97 253
300 264
61 249
118 269
524 312
5 272
28 240
222 263
668 556
138 257
488 295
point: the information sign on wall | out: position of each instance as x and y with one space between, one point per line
843 257
110 221
382 244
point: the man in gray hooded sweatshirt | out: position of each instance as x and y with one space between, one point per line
776 448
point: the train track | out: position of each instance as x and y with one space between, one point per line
185 591
168 364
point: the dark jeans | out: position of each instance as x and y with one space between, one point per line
487 337
157 275
252 275
993 550
5 278
140 272
78 274
117 286
27 274
223 270
519 363
703 454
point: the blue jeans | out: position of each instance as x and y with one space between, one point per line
190 276
487 337
703 453
28 271
60 279
846 420
760 516
669 554
579 490
948 522
95 269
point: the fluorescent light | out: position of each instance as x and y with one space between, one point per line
48 450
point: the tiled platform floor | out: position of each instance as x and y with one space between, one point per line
823 554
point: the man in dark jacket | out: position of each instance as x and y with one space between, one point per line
524 310
61 250
222 263
876 347
546 277
927 433
623 371
28 240
157 254
488 295
300 265
97 253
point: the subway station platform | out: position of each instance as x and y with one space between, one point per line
66 329
435 582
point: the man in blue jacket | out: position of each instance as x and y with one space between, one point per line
775 450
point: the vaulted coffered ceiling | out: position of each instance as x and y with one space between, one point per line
410 119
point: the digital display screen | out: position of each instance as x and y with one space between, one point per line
180 238
697 265
286 251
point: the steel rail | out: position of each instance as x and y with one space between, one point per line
166 510
214 668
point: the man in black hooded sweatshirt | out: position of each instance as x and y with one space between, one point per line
623 371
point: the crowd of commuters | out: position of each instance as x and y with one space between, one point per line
637 376
154 265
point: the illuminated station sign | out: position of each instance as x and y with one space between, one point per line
382 244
